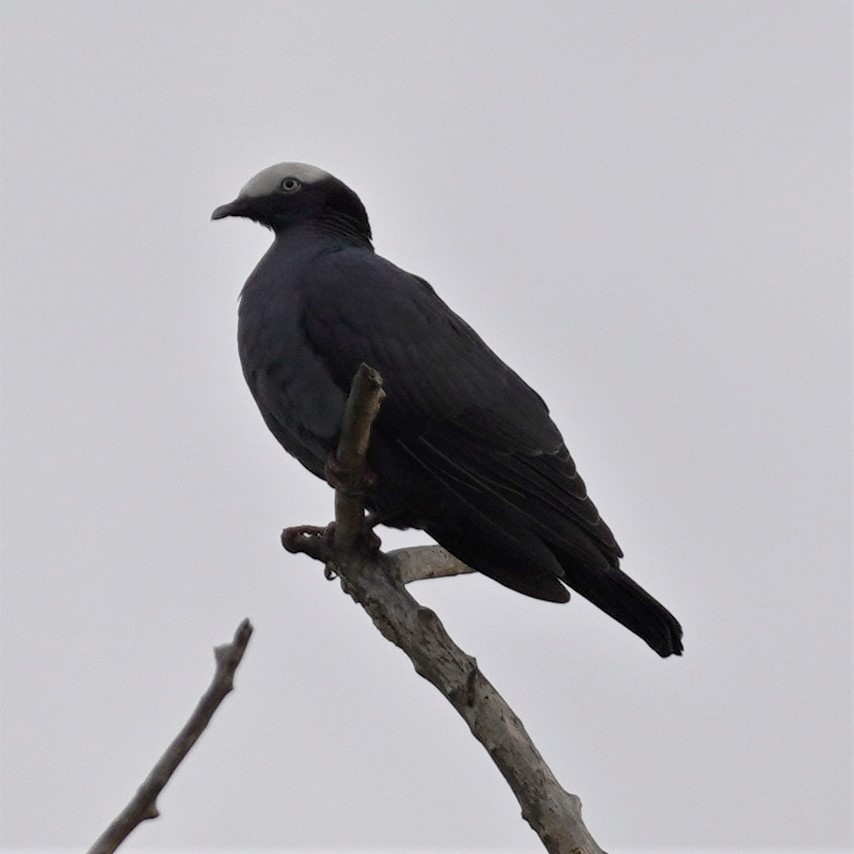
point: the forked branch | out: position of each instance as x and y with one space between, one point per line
376 581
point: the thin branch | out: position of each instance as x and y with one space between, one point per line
143 805
418 563
376 582
363 405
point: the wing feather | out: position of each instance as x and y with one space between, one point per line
436 369
471 423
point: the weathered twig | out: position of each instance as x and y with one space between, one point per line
376 582
418 563
143 805
363 404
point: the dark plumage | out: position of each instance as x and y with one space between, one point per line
462 447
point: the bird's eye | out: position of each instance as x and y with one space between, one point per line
290 185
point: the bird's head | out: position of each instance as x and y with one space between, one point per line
288 194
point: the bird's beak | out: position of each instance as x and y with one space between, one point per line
235 208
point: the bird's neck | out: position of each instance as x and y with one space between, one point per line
335 227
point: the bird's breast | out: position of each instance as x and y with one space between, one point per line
292 386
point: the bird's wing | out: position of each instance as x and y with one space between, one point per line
453 405
435 366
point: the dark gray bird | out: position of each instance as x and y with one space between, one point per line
463 448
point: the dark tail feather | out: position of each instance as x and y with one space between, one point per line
628 603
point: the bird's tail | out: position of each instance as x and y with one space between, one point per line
627 602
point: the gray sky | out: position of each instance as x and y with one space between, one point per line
645 208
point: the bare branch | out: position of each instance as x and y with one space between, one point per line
418 563
363 405
376 582
143 805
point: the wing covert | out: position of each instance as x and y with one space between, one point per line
437 370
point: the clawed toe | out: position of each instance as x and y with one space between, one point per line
309 539
319 541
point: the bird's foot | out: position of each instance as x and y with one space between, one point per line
319 542
370 539
344 481
315 541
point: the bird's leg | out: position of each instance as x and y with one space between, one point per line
342 480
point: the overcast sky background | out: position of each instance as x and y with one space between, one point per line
645 208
